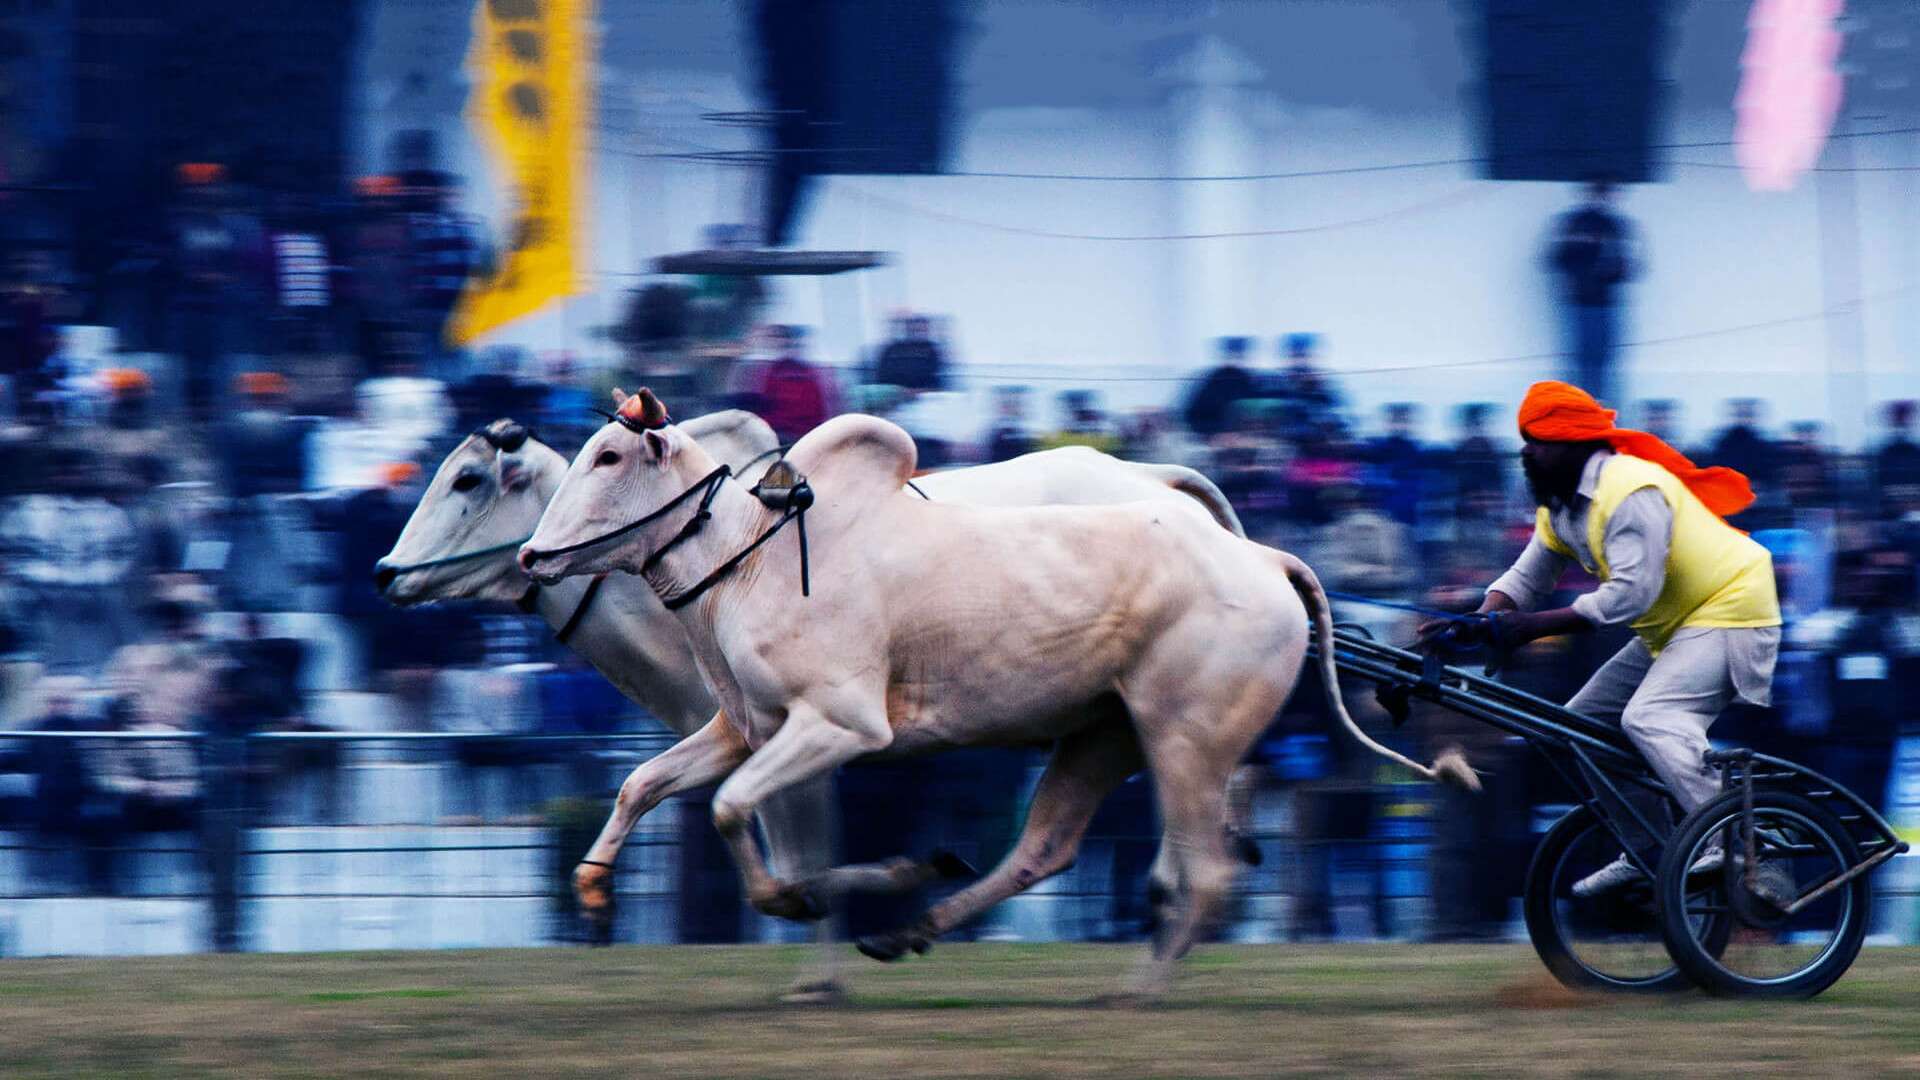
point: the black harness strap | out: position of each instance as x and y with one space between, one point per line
707 488
580 609
530 599
794 500
675 603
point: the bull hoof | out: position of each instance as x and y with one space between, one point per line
889 947
796 903
951 867
825 992
593 888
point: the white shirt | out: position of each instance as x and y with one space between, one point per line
1636 542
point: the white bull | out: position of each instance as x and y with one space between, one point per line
1129 636
489 493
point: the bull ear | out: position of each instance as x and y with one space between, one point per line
658 445
619 398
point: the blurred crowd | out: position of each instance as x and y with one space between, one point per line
209 447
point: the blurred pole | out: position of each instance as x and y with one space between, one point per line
1217 288
225 767
1840 276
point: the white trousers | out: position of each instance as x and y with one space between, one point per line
1666 705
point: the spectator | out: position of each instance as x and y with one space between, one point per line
1249 464
379 272
67 802
166 681
1399 465
495 389
912 361
74 555
444 251
410 409
1209 410
1362 549
564 418
155 785
1806 468
263 459
301 274
1662 420
401 647
1870 644
1742 446
1152 435
261 447
213 245
28 340
132 449
1310 403
1896 461
1009 437
1593 253
397 418
1480 464
1086 425
792 394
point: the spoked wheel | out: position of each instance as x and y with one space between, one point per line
1609 942
1799 847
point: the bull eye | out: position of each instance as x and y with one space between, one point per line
466 481
607 457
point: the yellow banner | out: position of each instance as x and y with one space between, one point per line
531 104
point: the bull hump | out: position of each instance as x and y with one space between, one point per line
855 453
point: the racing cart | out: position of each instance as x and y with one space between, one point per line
1780 910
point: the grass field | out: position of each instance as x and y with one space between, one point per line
962 1011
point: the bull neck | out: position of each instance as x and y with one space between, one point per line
736 518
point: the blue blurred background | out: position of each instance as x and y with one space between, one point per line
1316 250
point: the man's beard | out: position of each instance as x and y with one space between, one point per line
1542 486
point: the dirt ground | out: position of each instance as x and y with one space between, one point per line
961 1011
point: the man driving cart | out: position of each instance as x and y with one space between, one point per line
1699 594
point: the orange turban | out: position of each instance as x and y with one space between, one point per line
261 384
126 382
1558 412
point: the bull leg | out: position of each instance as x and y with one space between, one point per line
1084 769
1193 796
701 758
800 824
808 744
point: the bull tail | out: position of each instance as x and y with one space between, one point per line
1451 766
1194 485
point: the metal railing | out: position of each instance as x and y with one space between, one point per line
317 840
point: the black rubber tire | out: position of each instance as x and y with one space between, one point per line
1705 969
1544 929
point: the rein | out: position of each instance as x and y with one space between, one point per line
460 558
528 598
707 488
794 500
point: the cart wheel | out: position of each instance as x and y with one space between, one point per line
1799 846
1607 943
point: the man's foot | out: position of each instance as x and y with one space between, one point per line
1710 860
1616 875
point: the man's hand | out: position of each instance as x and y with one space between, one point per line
1520 627
1494 602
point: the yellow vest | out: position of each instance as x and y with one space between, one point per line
1716 574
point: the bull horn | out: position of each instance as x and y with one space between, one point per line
644 409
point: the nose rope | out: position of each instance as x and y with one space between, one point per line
450 559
